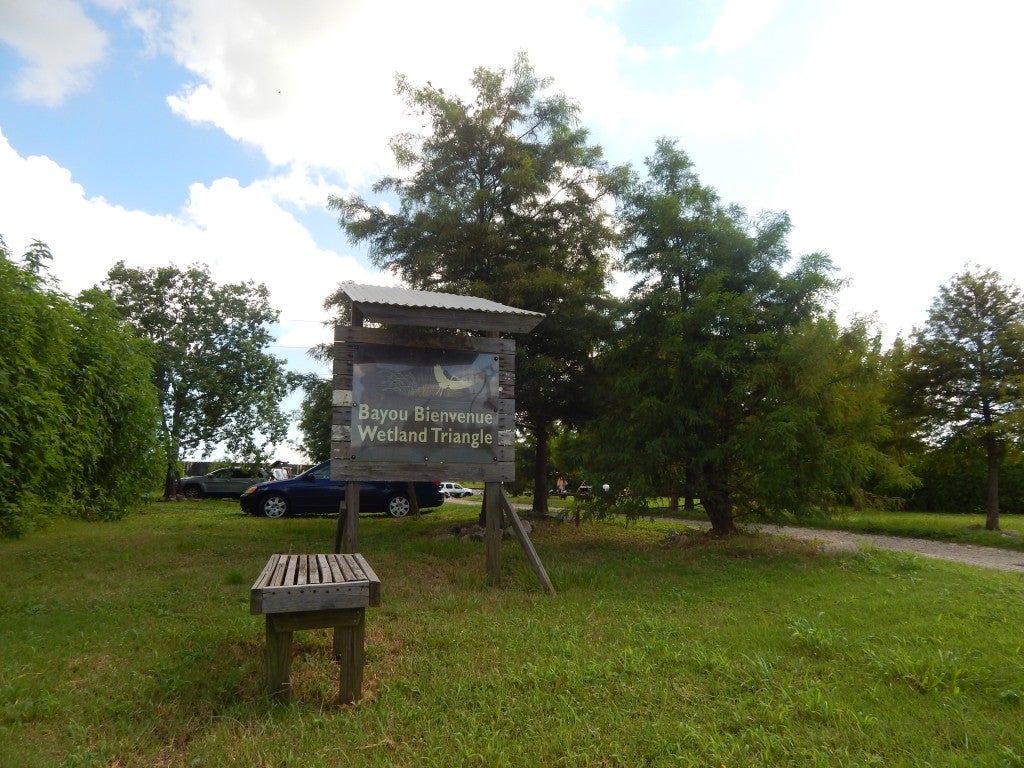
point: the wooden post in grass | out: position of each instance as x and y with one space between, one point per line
346 535
340 528
350 541
278 655
414 503
492 532
524 541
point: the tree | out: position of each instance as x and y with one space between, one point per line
315 418
504 199
77 415
729 381
315 410
215 383
823 434
115 455
965 370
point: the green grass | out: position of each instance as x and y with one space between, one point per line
962 528
131 644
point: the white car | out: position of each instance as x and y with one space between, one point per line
454 490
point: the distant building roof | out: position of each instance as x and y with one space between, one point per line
404 306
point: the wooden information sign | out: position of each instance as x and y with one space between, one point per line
411 403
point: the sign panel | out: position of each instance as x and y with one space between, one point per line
409 405
424 404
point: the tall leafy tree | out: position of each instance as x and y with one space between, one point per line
965 370
36 341
315 418
730 381
316 405
116 457
905 443
504 199
822 433
215 382
77 415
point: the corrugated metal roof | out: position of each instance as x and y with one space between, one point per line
411 299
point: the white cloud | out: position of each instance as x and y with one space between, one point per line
902 139
241 232
59 44
313 83
737 24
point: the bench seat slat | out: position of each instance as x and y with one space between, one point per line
267 573
279 571
371 578
323 570
289 576
336 572
346 566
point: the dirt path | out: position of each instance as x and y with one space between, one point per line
986 557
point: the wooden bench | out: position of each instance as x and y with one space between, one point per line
312 592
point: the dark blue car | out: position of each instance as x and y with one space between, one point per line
314 493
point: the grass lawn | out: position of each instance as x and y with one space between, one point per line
957 528
963 528
131 644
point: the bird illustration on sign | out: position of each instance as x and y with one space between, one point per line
464 378
446 384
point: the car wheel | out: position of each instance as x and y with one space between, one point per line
399 506
192 492
274 506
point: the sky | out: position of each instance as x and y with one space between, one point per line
190 131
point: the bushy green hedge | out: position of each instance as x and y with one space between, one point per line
78 413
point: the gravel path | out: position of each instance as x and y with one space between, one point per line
986 557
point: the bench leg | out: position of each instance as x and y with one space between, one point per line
279 661
349 640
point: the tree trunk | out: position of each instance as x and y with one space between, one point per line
170 483
540 469
688 488
718 505
992 485
171 454
858 500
